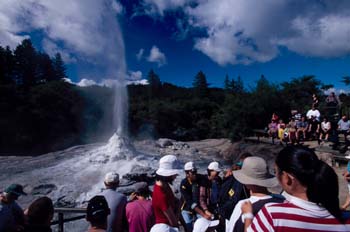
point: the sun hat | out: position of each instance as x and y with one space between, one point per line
15 189
214 166
168 166
202 224
112 178
190 166
97 207
254 172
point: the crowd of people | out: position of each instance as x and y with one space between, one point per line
310 125
240 201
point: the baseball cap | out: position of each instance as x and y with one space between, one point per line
190 166
214 166
111 178
15 189
97 207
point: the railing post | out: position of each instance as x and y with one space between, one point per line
60 222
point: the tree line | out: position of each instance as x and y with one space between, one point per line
40 112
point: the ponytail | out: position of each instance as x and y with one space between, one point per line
318 177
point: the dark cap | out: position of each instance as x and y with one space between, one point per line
140 187
15 189
97 207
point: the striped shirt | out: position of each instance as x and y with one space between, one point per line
296 215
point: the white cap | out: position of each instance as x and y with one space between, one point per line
189 166
168 166
111 178
214 166
202 224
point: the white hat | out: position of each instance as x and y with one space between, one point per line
111 177
189 166
254 172
202 224
214 166
168 166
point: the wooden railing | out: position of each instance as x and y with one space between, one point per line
61 219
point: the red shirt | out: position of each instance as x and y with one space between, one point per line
161 201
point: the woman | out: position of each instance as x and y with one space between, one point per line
325 129
163 199
39 215
311 190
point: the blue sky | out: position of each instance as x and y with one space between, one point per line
177 38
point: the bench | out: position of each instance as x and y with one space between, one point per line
262 133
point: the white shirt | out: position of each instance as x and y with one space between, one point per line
236 214
315 113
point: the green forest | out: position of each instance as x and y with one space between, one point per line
40 112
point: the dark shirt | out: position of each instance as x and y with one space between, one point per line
231 192
190 193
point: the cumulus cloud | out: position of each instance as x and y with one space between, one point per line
246 31
83 31
156 56
135 75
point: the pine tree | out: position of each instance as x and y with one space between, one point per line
200 85
59 67
26 62
154 82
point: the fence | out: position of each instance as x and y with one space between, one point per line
62 211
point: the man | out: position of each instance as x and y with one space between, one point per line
344 127
11 214
190 194
302 127
256 177
232 190
96 213
209 194
139 211
116 202
313 112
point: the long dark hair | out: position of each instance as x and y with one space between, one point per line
318 177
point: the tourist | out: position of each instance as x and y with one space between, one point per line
39 215
314 128
139 211
96 213
332 100
232 190
273 130
292 125
190 195
302 127
325 129
346 175
255 176
116 202
315 100
11 214
163 200
344 127
311 190
313 112
281 127
209 193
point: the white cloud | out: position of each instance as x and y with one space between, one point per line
135 75
246 31
139 55
138 82
156 56
79 27
85 82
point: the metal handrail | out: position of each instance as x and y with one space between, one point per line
61 220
